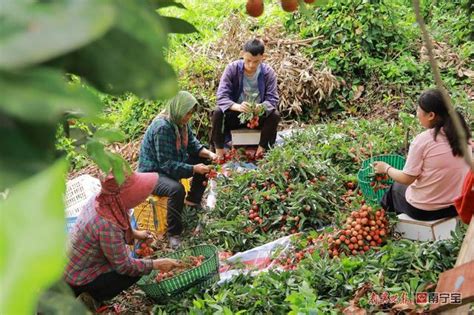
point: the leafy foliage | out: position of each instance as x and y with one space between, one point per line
130 113
353 31
374 47
303 178
400 266
33 258
115 46
457 15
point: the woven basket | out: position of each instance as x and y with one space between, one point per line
364 176
201 276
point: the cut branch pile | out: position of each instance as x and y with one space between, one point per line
447 58
300 83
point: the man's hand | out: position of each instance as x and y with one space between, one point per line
245 107
167 264
258 106
201 169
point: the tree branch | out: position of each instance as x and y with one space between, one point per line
439 82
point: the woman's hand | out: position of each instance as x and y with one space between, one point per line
205 153
167 264
214 157
380 167
201 168
143 235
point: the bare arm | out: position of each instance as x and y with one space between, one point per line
400 177
396 175
205 153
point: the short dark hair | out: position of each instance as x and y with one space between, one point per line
255 47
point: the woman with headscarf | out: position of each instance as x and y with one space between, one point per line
170 148
100 263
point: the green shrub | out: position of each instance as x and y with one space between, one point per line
354 30
131 114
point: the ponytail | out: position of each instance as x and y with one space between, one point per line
432 101
455 142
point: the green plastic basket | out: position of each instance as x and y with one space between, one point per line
201 276
364 178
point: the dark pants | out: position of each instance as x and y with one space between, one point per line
175 192
106 286
268 125
394 201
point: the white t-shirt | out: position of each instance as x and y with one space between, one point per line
250 92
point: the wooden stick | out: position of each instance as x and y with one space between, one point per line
466 254
439 83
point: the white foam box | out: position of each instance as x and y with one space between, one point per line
425 230
245 136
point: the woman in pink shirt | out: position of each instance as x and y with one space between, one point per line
435 170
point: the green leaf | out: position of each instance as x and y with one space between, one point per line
60 299
43 95
139 20
227 311
129 58
199 304
120 63
159 4
96 120
180 26
79 135
110 135
32 239
97 153
120 167
36 32
25 149
406 118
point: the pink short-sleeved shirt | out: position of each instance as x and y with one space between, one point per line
440 174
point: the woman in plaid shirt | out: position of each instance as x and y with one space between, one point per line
170 148
100 261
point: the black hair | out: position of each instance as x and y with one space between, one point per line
432 101
255 47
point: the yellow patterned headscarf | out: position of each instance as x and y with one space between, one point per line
175 110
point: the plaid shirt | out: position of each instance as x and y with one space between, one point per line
158 151
98 247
